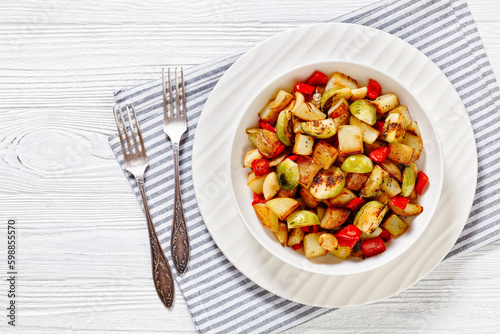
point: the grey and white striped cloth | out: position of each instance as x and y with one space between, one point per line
445 31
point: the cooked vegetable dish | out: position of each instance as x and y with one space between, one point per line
333 167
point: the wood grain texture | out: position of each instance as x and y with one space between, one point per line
84 262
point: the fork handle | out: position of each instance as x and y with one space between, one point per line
179 241
162 276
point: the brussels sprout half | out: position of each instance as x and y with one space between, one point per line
408 181
358 163
328 183
287 174
302 218
364 111
284 127
319 129
370 216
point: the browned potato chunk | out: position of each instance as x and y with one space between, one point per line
359 93
328 241
281 101
385 103
270 187
251 156
372 186
312 247
282 234
325 154
370 135
256 183
414 128
286 193
308 112
394 225
390 186
394 128
401 153
303 144
266 217
280 157
308 168
403 110
383 198
342 252
297 127
342 199
334 217
309 200
355 181
350 140
341 80
414 142
340 108
410 210
369 148
296 237
282 207
393 169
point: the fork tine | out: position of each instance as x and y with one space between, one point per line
170 94
125 130
132 132
165 110
139 133
177 102
184 109
119 131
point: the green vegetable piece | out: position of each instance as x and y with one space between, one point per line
370 216
284 127
364 111
408 181
287 174
331 96
358 163
302 218
328 183
319 129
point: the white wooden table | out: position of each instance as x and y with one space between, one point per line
83 253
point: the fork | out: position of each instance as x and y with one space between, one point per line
174 127
136 163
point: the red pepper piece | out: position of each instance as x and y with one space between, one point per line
379 125
304 88
372 246
422 180
373 89
356 203
310 229
346 242
267 126
280 149
260 167
385 235
293 157
400 201
348 236
297 246
258 198
380 154
317 78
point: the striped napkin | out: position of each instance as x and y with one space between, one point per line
442 29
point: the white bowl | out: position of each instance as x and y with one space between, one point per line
431 162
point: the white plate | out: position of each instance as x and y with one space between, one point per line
318 43
330 264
